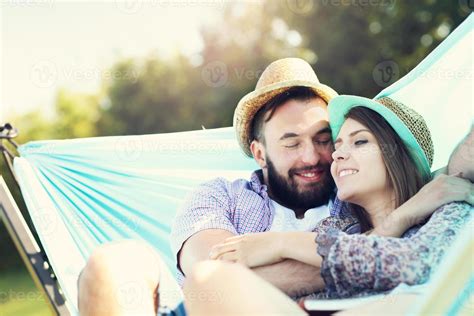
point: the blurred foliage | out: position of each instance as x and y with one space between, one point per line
345 41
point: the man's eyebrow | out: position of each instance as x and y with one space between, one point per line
288 135
292 135
338 140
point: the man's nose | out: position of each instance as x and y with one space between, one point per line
310 155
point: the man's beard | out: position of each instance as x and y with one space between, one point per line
285 190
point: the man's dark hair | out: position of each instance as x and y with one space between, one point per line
294 93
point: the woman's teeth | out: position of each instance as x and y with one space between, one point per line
347 172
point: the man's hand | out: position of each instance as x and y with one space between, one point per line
441 190
290 276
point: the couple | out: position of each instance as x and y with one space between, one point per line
388 224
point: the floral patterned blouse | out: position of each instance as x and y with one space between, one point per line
355 264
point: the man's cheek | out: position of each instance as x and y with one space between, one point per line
327 156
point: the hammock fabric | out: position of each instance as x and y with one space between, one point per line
84 192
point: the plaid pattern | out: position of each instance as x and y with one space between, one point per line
240 207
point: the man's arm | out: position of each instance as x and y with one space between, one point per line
292 277
462 160
198 246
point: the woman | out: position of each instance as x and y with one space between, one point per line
383 153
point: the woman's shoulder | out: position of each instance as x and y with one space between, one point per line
451 216
344 223
458 209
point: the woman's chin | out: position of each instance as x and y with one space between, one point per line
345 196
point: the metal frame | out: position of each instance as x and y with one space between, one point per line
30 252
34 258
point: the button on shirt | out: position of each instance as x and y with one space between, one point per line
238 206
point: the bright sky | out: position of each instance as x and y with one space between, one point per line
48 44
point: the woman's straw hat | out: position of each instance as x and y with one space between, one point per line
407 123
278 77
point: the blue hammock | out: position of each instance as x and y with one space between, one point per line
83 192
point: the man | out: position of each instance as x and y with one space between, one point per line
283 124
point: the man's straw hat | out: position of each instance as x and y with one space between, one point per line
278 77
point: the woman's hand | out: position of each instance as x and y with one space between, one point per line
251 250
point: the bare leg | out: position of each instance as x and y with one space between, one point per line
220 288
120 278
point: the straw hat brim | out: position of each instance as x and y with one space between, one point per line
341 105
252 102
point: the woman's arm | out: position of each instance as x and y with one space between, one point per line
300 246
439 191
354 263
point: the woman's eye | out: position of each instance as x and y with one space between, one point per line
292 146
360 142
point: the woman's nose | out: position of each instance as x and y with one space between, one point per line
340 153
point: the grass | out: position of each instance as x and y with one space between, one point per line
19 296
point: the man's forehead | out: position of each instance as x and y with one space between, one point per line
299 116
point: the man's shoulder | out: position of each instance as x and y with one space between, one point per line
221 183
222 188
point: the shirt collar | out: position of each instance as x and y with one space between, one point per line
256 182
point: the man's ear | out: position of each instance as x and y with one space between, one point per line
258 152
